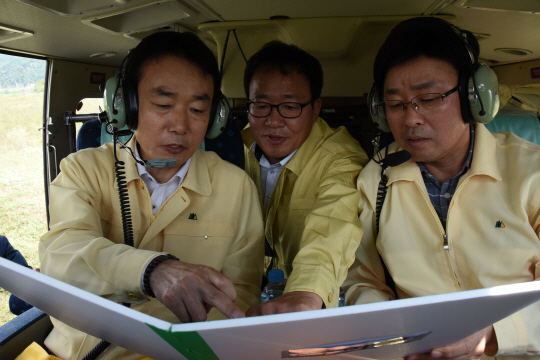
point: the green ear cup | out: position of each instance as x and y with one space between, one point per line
117 115
484 101
220 119
376 112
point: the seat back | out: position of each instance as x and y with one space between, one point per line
228 145
89 135
526 126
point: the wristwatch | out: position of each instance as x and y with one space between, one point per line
149 268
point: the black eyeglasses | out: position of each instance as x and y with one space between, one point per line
288 110
424 104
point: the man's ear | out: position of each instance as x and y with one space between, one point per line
316 109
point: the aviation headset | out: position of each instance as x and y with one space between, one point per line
123 108
478 90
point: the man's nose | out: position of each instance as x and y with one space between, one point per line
178 122
274 119
410 114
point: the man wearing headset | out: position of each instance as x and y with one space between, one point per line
198 231
464 212
305 172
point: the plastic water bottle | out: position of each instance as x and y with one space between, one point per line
341 297
276 285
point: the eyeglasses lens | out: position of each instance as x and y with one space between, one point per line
287 109
424 104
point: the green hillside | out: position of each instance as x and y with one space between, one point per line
16 71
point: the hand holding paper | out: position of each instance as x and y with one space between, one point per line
191 290
472 347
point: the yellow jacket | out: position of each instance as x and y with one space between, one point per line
503 184
311 219
84 246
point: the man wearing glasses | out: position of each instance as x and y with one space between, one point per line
306 176
464 212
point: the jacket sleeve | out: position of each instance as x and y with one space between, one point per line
244 264
75 250
519 334
8 252
365 281
332 231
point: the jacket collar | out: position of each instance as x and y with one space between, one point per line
197 178
485 154
306 150
484 160
130 165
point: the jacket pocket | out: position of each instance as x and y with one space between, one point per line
200 243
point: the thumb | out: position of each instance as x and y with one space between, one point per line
473 346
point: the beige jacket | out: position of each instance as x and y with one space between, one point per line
85 244
311 219
503 184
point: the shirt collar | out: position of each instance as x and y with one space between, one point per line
263 161
304 153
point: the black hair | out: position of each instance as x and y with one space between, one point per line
186 46
288 59
433 38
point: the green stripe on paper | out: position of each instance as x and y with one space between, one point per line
189 343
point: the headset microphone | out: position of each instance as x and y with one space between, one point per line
158 163
395 159
148 164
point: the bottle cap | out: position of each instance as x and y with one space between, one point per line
276 275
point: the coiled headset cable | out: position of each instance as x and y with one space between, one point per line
390 160
119 170
127 224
